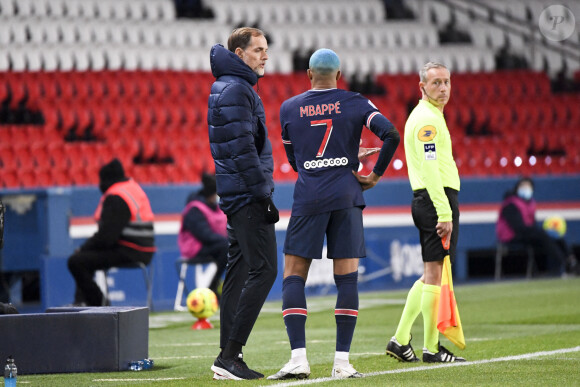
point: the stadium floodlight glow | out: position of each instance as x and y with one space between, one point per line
503 161
397 164
518 161
532 160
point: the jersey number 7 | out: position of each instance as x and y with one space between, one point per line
327 134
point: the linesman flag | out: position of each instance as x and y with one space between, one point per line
448 321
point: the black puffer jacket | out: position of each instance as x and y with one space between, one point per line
237 133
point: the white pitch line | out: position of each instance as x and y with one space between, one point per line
427 368
137 380
171 227
179 345
367 353
184 357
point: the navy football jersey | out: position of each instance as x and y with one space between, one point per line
321 131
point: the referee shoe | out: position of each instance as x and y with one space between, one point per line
443 356
400 352
233 369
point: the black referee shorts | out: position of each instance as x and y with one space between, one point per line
425 219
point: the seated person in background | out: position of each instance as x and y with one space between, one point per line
517 224
203 229
125 233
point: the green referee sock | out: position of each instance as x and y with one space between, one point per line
430 308
410 313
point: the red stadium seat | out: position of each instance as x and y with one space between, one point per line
66 86
26 178
80 84
60 177
163 113
96 86
10 178
40 155
539 143
8 160
4 89
172 174
58 155
195 114
561 114
112 86
18 89
500 117
33 89
574 121
42 178
24 158
130 116
49 87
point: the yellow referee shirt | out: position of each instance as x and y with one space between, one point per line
429 156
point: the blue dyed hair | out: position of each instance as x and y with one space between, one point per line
324 61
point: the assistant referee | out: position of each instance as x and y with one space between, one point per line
435 182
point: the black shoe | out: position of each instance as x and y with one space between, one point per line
234 369
7 309
258 374
443 356
404 353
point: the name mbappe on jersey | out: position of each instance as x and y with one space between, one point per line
324 128
318 110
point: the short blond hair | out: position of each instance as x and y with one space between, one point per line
240 37
428 66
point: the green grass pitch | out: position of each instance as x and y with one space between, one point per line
506 324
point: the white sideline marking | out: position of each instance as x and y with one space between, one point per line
426 368
286 342
368 353
185 357
171 227
181 345
137 380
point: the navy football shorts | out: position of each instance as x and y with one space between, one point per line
343 229
425 219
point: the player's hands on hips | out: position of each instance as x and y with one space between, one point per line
272 214
363 153
444 229
368 181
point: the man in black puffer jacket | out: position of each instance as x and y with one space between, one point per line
243 164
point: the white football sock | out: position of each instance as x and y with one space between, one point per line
341 358
298 355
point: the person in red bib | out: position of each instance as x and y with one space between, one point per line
203 229
124 235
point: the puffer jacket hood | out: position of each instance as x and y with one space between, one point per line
225 62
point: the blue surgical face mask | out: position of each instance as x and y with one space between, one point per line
525 193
